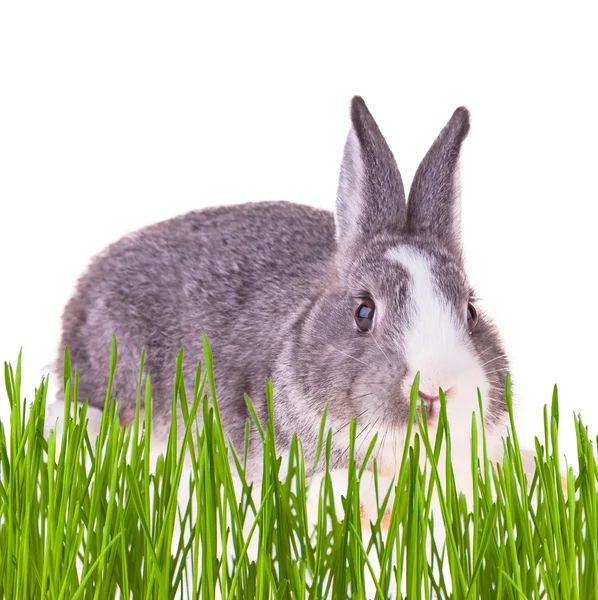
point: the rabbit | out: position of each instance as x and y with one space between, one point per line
340 310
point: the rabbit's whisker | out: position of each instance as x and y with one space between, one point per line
486 350
380 347
357 417
380 453
363 430
348 355
493 359
503 370
366 437
362 396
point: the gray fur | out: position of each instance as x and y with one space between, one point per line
275 286
434 194
371 196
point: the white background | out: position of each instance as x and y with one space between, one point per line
114 116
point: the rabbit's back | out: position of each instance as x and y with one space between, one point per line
236 273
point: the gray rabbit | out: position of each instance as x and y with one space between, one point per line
342 309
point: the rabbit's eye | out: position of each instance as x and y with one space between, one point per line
364 315
472 316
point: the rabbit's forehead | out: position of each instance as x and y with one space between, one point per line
392 270
431 273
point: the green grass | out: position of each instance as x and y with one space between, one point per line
83 519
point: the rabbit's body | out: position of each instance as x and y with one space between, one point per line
237 273
340 310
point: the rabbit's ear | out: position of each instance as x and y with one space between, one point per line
434 205
371 197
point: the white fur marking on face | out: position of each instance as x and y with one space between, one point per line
437 345
434 329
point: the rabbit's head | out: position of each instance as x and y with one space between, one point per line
398 300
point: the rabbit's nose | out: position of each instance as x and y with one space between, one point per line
427 397
431 398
